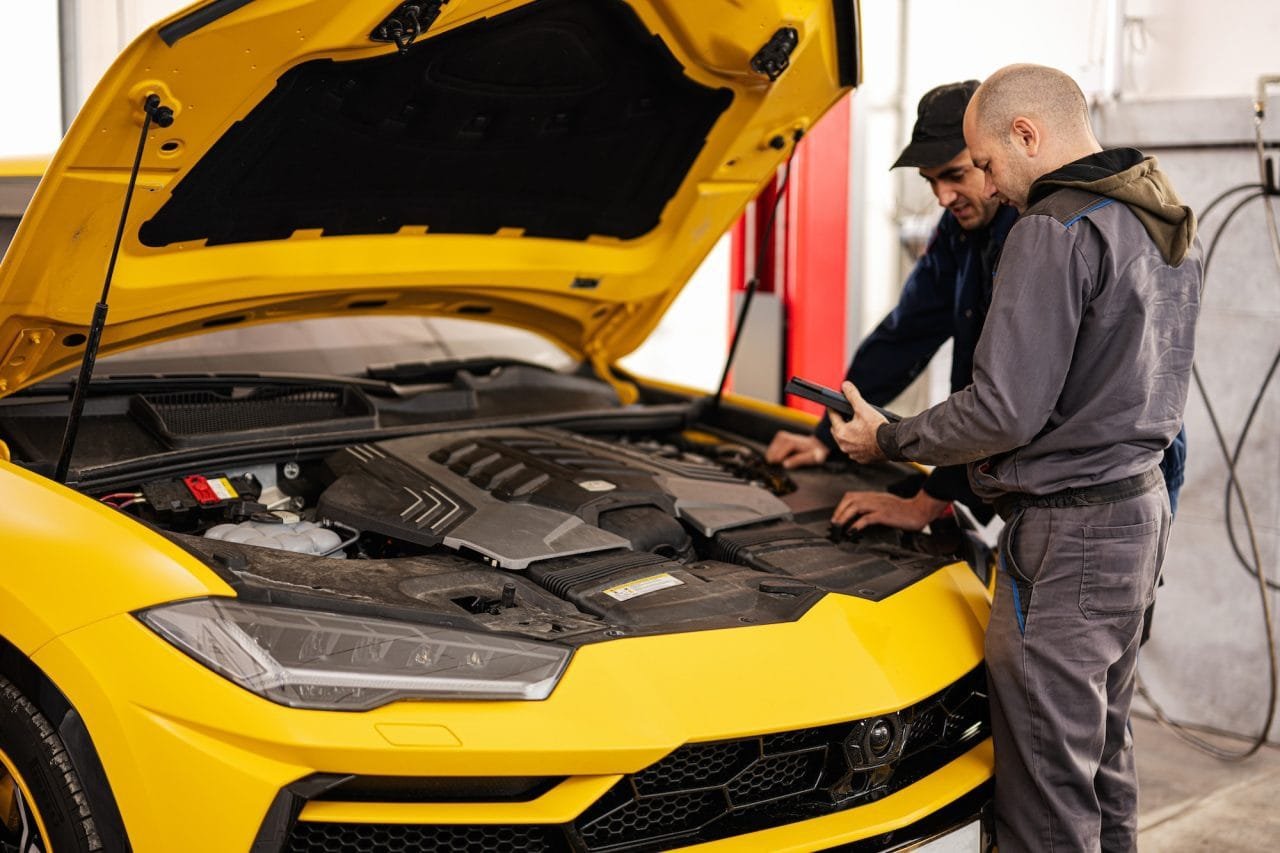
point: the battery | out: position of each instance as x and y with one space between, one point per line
186 502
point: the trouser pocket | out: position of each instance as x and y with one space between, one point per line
1119 568
1020 572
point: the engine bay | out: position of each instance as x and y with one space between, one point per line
540 532
483 494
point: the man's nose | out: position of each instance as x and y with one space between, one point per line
945 195
988 186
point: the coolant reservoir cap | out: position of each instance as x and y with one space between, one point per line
276 516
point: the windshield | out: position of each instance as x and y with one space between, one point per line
344 346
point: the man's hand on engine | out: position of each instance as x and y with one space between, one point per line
793 450
867 508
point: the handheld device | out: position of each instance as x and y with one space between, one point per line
830 397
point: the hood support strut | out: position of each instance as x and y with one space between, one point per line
163 117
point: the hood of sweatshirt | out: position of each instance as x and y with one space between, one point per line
1125 175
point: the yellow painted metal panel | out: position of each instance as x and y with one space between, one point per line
69 560
621 706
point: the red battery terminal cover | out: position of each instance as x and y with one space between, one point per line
206 493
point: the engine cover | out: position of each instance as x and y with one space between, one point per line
517 496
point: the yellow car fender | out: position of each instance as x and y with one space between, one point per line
107 563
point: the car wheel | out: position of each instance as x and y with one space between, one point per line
42 803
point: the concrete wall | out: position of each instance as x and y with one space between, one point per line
1206 662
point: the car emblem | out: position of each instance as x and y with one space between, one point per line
875 742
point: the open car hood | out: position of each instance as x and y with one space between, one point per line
558 165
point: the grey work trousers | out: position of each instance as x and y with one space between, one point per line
1062 649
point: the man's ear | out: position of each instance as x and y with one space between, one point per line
1025 136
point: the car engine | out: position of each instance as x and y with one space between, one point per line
534 530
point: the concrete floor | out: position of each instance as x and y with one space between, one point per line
1190 802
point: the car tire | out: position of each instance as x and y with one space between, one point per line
43 806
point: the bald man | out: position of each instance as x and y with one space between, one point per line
1079 383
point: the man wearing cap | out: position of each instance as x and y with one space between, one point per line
946 296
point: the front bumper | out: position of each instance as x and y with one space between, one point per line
195 759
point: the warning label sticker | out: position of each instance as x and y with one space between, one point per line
643 586
210 491
223 489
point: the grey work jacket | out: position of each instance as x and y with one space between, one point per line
1082 371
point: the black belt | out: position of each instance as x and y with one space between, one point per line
1107 493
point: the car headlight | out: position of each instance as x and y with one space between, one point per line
337 662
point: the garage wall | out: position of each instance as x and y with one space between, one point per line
688 347
1167 49
1206 662
29 100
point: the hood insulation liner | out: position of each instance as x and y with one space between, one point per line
564 118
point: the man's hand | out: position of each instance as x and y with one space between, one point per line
795 451
867 508
857 436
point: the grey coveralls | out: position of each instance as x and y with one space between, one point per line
1080 381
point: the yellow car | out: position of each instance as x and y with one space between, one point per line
360 541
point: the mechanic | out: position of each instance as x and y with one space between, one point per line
1080 380
946 296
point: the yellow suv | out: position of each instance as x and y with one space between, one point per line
359 540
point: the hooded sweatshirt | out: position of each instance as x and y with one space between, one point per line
1136 181
1081 374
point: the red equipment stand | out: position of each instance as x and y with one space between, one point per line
798 315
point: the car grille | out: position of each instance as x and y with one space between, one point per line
706 791
392 838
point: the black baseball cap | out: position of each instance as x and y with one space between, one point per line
939 132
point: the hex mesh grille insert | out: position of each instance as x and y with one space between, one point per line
704 764
925 730
791 741
400 838
651 817
776 777
706 791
